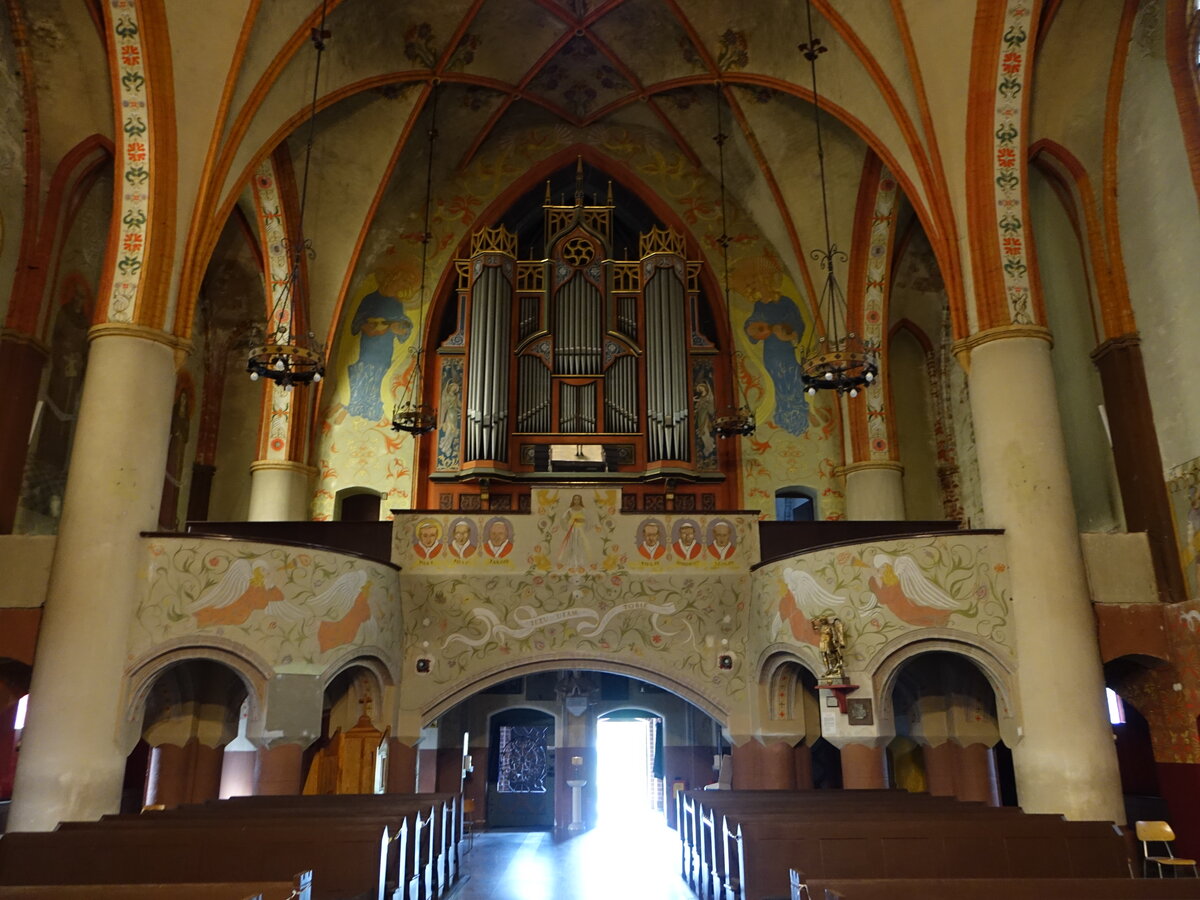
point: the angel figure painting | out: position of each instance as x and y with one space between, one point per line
805 601
903 588
342 607
242 589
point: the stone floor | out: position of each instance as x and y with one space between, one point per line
633 859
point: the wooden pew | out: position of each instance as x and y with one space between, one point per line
347 859
424 855
761 852
701 815
299 888
446 836
994 889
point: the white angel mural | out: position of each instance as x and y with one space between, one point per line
343 607
901 586
805 599
247 585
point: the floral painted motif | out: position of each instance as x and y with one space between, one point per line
883 221
135 160
882 590
294 608
273 229
1007 147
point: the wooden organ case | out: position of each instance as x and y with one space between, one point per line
579 368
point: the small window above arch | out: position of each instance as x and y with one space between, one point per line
795 504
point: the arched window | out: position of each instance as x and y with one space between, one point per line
795 504
357 504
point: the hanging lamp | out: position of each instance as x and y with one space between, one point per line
739 421
412 415
833 361
280 354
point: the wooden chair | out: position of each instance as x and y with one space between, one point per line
1160 833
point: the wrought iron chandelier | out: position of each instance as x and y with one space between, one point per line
832 361
737 422
412 414
281 354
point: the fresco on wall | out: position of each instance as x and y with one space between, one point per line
795 443
381 326
579 578
297 609
449 413
45 477
881 590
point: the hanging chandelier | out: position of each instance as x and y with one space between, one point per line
281 354
412 414
833 361
739 421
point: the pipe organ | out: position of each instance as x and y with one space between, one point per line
578 351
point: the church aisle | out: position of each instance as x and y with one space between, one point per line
633 860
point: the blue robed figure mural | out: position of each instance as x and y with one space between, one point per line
778 325
381 324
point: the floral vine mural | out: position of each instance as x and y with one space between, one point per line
297 609
882 590
575 583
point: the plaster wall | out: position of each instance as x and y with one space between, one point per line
1067 295
911 389
237 447
1160 230
25 561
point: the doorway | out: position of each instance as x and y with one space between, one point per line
629 766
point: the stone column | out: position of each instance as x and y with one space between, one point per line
279 490
183 774
1065 761
875 491
975 775
802 764
279 770
21 362
73 753
777 766
863 766
941 764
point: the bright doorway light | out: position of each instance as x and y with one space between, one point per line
1116 709
22 704
624 751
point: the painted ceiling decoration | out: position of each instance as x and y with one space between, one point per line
516 68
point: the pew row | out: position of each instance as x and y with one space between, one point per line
426 828
300 888
804 888
398 847
742 847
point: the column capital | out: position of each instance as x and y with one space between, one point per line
283 465
181 347
890 465
1130 341
962 349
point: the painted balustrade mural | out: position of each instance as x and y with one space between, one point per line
295 608
883 591
575 578
669 595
